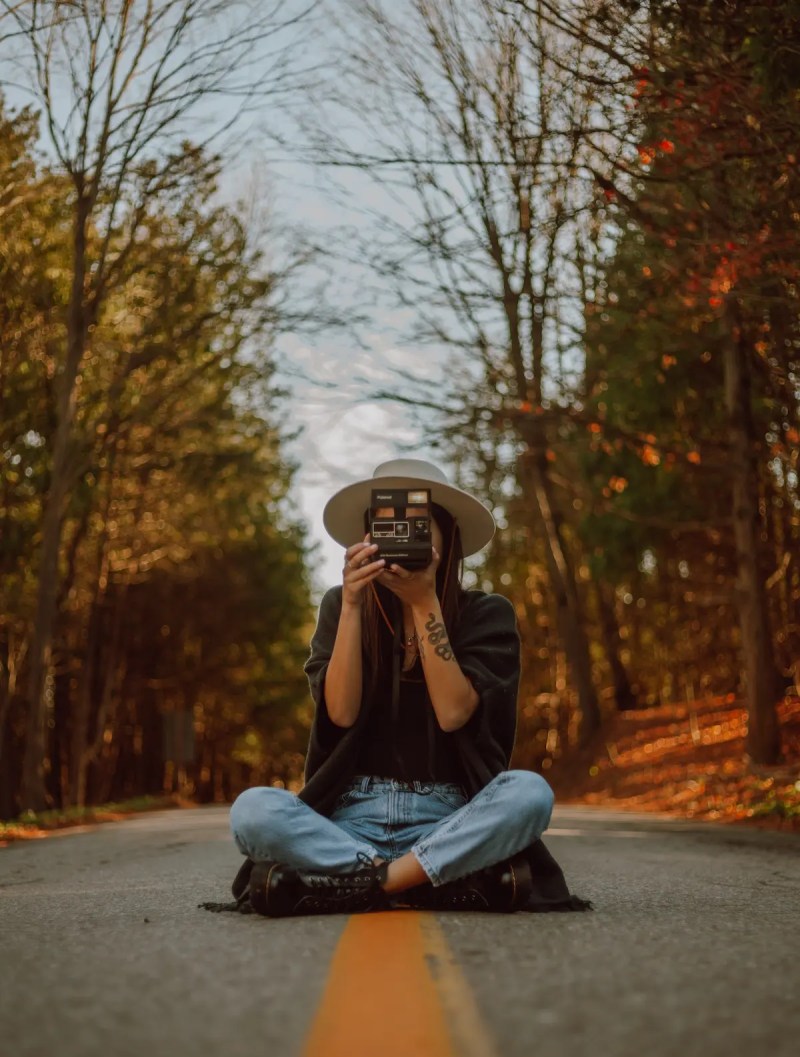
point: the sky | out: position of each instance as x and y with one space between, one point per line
331 376
345 433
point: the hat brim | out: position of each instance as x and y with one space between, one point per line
343 516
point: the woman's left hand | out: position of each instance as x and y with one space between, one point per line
414 588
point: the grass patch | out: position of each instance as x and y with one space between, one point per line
33 824
778 807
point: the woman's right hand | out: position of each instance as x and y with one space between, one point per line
359 570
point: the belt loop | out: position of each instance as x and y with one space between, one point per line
366 779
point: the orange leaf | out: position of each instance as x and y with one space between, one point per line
650 456
693 456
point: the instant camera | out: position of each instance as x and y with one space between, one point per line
402 539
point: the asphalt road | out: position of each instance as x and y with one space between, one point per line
693 948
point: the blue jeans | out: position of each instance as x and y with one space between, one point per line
386 818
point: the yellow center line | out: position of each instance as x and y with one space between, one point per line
394 989
468 1033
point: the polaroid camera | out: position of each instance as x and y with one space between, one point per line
403 539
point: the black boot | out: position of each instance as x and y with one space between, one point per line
504 888
278 891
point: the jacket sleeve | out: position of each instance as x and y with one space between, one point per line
325 734
487 648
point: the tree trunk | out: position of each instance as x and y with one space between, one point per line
33 793
763 735
623 693
12 658
57 740
108 691
87 689
536 483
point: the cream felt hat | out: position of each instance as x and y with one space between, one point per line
343 515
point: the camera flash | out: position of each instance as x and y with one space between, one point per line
417 498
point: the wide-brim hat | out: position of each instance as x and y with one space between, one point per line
343 515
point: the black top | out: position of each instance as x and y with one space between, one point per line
486 645
414 749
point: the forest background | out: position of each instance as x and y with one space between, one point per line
565 252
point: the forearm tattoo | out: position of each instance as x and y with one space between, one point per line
437 637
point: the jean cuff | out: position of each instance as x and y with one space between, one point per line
425 863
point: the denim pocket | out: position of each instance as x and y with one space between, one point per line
357 801
450 797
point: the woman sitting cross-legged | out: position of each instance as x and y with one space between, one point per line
408 799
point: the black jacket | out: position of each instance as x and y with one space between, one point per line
486 645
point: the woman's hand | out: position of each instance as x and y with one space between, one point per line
359 570
414 588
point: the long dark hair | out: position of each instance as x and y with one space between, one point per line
377 641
